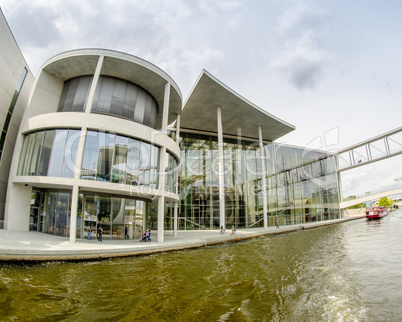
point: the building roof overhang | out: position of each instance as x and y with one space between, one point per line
81 62
239 116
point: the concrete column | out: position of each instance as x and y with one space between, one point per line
165 114
178 129
222 221
161 216
161 199
73 216
176 207
264 179
339 183
95 80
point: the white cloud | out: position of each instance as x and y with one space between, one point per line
301 61
303 64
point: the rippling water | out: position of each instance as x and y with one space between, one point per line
344 272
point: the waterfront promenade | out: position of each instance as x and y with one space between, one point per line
18 246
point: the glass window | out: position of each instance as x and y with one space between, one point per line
140 106
35 153
23 155
45 154
105 156
57 156
120 160
70 153
28 158
133 162
145 164
130 101
154 166
75 94
90 160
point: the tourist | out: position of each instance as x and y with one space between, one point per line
89 232
148 234
233 230
277 224
222 230
100 234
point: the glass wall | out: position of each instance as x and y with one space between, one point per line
49 153
50 212
121 98
301 184
114 158
113 96
120 218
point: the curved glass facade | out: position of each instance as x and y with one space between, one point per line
301 185
107 157
113 96
115 158
118 97
49 153
120 159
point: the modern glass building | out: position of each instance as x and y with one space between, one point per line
233 173
105 141
93 148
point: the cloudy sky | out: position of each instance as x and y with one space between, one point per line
331 68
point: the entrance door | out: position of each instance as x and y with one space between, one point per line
33 219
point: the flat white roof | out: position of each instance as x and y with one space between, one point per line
238 114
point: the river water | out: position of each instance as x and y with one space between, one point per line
344 272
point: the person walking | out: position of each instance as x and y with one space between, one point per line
233 230
100 234
89 232
222 230
277 224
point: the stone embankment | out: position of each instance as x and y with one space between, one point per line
36 247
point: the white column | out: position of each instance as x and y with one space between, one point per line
165 114
222 221
161 217
264 179
161 199
94 84
176 206
178 129
73 216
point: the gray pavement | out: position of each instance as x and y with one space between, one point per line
35 246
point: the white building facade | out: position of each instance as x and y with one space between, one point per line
93 150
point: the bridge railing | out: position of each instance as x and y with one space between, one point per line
375 149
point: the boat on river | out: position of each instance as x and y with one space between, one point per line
376 212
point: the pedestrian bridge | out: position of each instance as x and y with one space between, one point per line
379 148
377 195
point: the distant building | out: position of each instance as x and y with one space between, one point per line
105 142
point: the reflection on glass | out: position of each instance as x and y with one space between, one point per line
292 194
49 153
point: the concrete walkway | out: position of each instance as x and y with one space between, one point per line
18 246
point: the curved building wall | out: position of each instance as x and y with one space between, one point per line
15 85
91 140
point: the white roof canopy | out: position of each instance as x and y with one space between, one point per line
238 114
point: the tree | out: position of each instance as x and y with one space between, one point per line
384 202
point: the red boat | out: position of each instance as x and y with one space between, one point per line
376 213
